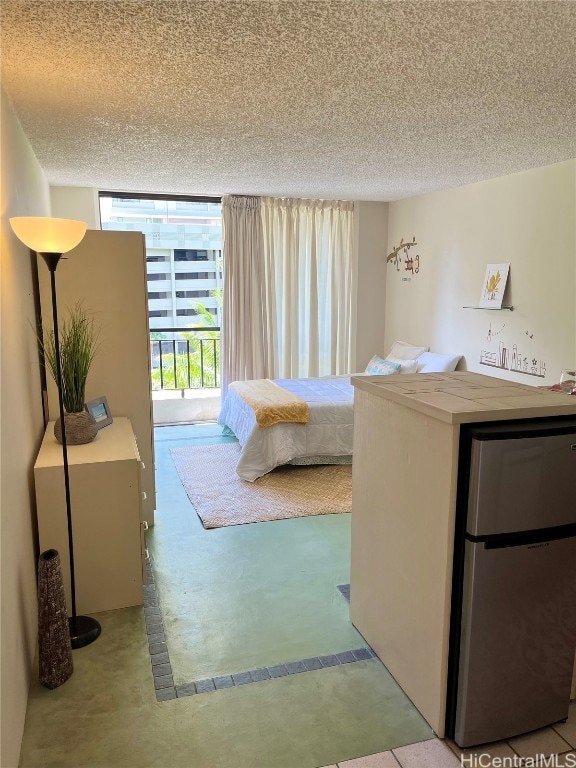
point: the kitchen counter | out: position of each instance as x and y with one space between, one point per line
464 397
404 500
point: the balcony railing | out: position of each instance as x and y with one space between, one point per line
185 358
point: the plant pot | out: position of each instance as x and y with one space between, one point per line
80 428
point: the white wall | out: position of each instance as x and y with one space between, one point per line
79 203
23 192
371 224
527 219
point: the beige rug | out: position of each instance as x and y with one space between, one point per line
220 497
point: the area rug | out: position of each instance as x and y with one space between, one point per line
220 497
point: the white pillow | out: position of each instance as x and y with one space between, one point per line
404 351
432 362
406 366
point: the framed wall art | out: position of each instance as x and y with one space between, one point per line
494 286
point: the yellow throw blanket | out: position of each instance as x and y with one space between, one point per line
271 403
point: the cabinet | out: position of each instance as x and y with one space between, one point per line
107 273
105 494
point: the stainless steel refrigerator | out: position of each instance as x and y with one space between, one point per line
513 633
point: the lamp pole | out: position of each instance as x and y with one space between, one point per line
83 629
52 260
50 238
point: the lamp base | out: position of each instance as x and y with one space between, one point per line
83 631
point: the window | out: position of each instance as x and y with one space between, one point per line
192 294
190 255
181 233
193 275
186 312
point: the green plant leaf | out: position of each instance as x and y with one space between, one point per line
78 340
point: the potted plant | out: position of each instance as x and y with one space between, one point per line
78 345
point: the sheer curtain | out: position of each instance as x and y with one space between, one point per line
288 286
308 246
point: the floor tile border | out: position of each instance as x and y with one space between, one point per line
236 679
162 675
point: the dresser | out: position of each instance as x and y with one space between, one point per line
108 529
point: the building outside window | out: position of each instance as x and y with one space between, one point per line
193 276
192 294
178 233
192 255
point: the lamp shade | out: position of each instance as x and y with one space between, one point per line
45 235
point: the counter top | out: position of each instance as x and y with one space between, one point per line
463 397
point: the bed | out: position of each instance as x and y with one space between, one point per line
325 438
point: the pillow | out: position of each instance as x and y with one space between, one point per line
406 366
379 367
404 351
431 362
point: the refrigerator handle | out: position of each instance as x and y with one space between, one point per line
539 536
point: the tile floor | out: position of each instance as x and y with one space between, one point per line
554 747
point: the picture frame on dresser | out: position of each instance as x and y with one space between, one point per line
100 411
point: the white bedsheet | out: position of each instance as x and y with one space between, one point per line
329 431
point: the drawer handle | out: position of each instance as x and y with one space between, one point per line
145 525
143 465
143 493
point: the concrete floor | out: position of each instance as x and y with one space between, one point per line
231 599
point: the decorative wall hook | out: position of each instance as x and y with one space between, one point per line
411 263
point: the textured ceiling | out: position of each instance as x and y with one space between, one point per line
356 99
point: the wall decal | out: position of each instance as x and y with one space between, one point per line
494 285
513 359
411 263
492 333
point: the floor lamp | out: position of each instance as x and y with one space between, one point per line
51 238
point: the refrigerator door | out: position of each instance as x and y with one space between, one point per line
522 484
518 639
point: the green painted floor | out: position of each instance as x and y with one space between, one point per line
232 599
241 597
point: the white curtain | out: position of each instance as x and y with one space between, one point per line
244 336
288 287
308 247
